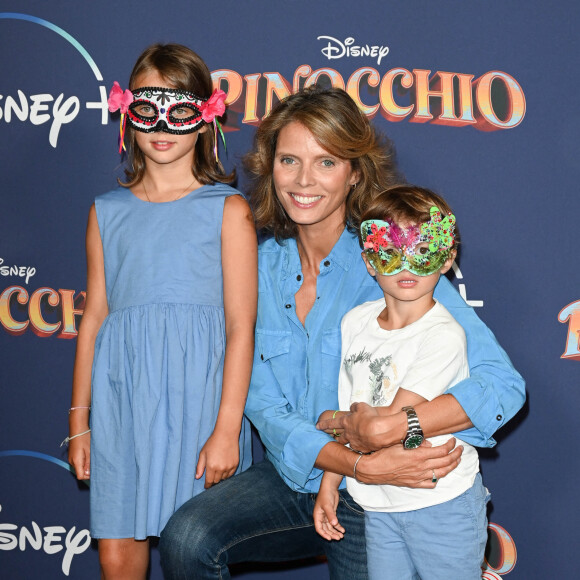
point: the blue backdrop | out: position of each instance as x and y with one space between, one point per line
481 100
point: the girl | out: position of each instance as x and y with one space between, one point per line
169 317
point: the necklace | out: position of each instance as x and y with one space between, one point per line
174 199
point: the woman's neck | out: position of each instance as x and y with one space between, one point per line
315 243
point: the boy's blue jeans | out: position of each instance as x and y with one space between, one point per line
441 542
256 517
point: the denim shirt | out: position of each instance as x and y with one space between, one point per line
295 372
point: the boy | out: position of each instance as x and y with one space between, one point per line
396 353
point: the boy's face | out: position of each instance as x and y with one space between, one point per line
406 286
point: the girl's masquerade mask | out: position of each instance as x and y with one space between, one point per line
153 109
421 249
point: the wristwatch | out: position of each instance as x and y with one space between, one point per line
414 436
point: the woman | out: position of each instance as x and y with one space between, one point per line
317 161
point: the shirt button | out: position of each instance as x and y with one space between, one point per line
326 263
288 305
299 277
499 417
262 356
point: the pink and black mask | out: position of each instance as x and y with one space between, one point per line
172 111
153 109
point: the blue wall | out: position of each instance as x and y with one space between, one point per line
505 156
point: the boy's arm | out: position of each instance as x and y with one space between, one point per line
442 362
403 398
324 514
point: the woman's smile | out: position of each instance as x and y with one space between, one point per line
305 200
311 184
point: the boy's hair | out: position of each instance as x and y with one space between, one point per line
182 69
338 126
405 203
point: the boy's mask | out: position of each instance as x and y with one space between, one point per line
169 110
420 249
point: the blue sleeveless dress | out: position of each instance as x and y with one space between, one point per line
158 365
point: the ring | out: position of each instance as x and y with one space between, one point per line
335 434
433 479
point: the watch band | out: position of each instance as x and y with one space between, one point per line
412 419
414 436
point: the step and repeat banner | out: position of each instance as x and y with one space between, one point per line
481 100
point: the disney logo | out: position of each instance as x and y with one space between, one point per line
23 271
337 49
49 539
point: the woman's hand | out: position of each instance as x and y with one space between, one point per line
329 415
79 455
357 427
418 468
219 458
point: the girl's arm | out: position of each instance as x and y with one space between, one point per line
96 310
220 455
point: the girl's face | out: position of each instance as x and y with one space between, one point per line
164 148
311 183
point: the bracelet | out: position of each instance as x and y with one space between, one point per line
74 409
334 433
65 442
355 464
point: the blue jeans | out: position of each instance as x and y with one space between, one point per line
441 542
256 517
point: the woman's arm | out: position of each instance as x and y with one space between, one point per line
296 447
220 455
292 440
473 408
369 428
393 465
95 311
494 391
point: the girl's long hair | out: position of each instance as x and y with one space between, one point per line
182 69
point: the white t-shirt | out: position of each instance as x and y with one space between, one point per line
425 357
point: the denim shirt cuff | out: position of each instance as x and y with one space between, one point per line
300 453
486 417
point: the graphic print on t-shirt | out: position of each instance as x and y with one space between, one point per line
381 376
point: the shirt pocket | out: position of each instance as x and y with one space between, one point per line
274 349
330 359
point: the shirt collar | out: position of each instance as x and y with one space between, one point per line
344 252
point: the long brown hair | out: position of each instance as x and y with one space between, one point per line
338 126
183 69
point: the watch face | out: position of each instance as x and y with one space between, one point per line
413 441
